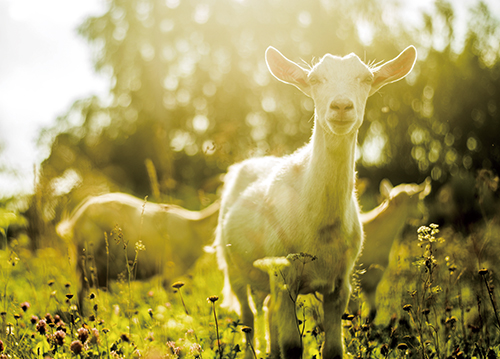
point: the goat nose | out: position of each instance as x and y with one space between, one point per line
342 105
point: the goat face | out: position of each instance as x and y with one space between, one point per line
340 87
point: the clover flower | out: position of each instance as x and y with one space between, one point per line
83 334
76 347
41 326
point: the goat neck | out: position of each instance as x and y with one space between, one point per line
330 156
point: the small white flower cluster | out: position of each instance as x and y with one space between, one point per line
139 246
427 234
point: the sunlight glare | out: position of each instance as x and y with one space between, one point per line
365 31
51 11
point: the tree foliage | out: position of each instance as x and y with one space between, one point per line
191 94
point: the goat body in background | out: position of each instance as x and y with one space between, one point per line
303 203
173 236
382 226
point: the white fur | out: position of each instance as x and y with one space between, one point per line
382 225
304 202
173 236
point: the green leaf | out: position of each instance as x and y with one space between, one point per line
42 348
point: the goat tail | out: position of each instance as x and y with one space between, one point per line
230 301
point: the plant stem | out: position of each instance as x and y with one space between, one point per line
217 330
182 300
490 293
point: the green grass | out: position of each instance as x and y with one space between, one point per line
434 302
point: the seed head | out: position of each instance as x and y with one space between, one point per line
451 320
2 347
178 285
125 338
25 306
213 298
402 346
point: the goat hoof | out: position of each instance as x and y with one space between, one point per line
291 352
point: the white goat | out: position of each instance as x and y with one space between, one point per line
304 202
382 225
173 236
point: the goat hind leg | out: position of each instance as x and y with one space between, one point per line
247 318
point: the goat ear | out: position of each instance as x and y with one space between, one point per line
395 69
425 188
287 71
385 188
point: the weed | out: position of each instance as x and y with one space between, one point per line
452 312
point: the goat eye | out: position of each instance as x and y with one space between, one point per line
314 80
368 80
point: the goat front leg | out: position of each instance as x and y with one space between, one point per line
274 343
283 324
334 305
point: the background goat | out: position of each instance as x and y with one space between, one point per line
382 226
305 202
173 236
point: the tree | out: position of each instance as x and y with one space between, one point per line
191 95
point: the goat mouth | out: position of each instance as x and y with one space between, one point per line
341 122
341 126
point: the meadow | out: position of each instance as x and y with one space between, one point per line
437 299
190 94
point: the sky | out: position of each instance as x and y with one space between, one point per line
45 66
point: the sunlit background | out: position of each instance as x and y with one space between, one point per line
159 97
44 67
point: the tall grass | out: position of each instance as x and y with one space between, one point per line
445 307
